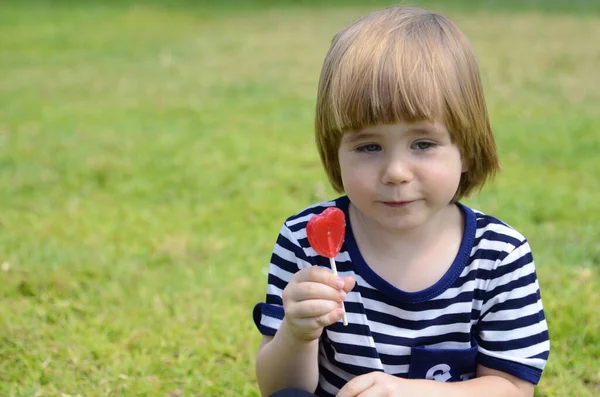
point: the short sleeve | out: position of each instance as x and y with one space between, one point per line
512 332
288 258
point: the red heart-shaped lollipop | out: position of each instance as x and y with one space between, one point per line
326 231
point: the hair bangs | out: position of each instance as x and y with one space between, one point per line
386 83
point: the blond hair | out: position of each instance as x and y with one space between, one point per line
404 64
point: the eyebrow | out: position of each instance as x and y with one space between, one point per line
353 137
424 131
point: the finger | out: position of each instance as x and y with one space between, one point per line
330 318
319 274
313 323
311 308
377 390
358 385
349 283
311 290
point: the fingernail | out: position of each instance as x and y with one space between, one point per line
339 283
343 294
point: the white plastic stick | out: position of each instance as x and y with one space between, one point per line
334 268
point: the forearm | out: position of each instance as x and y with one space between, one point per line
488 386
285 362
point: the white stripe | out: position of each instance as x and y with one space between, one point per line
328 387
273 290
350 339
516 293
280 273
358 361
513 314
362 282
332 368
516 274
520 355
500 229
451 345
393 350
494 245
459 307
395 369
289 256
305 218
270 322
451 293
518 333
433 330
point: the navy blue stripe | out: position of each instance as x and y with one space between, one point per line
389 359
350 368
322 393
517 303
284 264
353 307
276 281
354 350
436 304
317 209
351 328
521 282
460 337
331 377
505 269
521 343
489 255
522 371
507 325
484 221
268 310
479 294
274 300
283 242
493 235
543 355
415 325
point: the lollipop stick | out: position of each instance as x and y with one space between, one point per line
334 269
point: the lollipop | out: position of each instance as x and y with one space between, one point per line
325 234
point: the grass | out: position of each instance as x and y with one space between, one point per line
150 152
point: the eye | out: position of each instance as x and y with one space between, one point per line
423 145
370 147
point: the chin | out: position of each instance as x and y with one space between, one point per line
404 225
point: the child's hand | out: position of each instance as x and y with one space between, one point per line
385 385
313 300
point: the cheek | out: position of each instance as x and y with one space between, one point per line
442 174
354 176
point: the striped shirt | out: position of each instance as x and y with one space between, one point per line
486 309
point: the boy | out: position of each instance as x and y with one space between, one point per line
441 299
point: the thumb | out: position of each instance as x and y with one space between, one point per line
349 283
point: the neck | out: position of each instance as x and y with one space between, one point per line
405 241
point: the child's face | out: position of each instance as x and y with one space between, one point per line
400 175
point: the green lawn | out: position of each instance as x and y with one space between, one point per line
149 153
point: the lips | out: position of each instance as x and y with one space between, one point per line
398 203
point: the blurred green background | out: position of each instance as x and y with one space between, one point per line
150 150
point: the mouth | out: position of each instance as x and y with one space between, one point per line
398 204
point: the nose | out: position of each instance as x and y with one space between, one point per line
396 171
